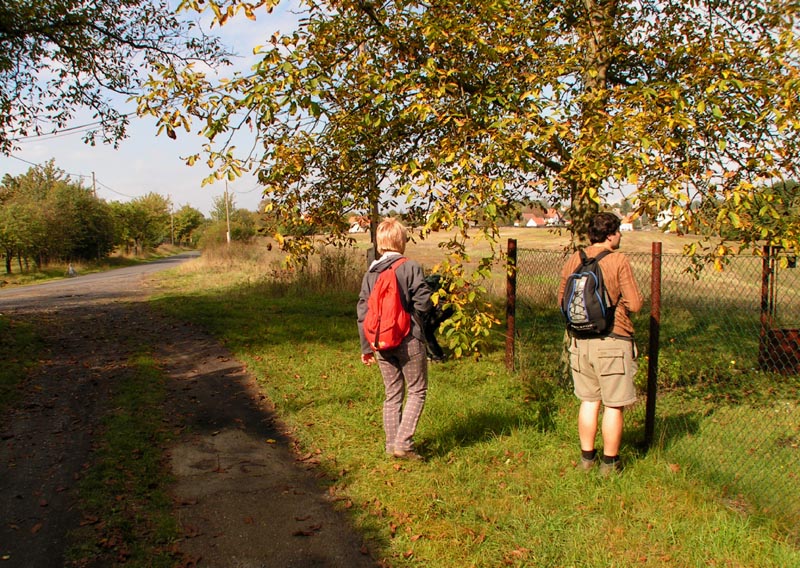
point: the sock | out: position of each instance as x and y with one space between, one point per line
588 455
610 459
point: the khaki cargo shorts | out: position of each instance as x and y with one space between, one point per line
604 369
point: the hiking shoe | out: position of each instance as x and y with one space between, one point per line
585 464
607 469
410 455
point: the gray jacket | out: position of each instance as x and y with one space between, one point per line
415 294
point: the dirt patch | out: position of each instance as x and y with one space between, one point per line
243 498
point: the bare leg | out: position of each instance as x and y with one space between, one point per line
612 430
587 424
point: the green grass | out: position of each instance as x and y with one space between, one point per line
719 415
126 508
499 487
19 347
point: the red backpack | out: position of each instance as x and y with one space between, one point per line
387 322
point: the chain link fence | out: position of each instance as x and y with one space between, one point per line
728 374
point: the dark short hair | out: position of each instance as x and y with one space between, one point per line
602 226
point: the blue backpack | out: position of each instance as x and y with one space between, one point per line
586 305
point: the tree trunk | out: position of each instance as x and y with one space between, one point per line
598 35
581 211
374 220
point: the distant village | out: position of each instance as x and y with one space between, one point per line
541 217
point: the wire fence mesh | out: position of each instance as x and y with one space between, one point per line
728 404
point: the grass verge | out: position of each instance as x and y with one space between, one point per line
127 511
19 346
499 487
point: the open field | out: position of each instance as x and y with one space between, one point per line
428 252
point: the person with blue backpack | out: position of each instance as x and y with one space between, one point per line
597 293
393 303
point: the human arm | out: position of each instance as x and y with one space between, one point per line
361 310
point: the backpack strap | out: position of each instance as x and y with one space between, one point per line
393 266
600 256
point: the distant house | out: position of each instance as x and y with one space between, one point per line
358 224
542 218
663 219
626 224
553 218
533 220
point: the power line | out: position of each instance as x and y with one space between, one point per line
35 165
82 176
65 132
251 190
114 190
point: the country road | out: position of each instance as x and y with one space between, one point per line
98 286
239 502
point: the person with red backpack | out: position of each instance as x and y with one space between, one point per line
393 302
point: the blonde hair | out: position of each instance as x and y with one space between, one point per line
391 236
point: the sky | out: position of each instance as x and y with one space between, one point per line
143 162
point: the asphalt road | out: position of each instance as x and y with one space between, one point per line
113 284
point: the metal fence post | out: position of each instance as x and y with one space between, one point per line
655 328
511 302
767 308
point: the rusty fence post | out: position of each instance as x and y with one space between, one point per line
767 308
655 329
511 303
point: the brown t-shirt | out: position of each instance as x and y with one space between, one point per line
619 282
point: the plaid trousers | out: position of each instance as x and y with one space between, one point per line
405 377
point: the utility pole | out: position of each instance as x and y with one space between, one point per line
227 215
94 186
171 223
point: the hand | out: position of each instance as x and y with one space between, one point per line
368 358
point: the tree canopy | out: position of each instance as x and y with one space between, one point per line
144 222
457 110
58 56
44 216
463 107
